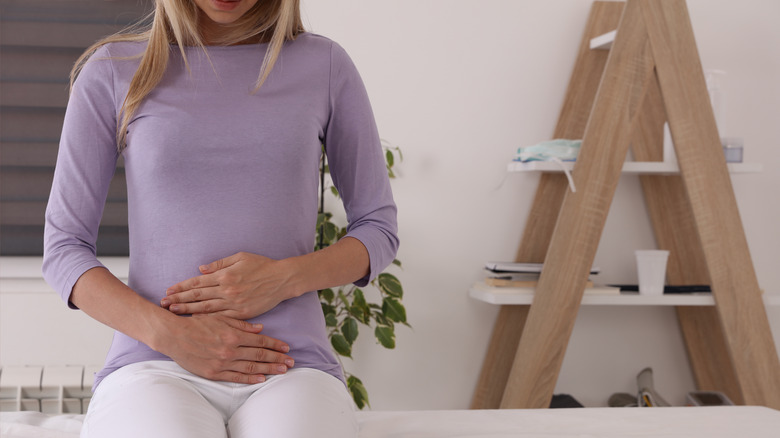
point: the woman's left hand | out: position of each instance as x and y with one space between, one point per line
240 286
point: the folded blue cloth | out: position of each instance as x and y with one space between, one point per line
562 149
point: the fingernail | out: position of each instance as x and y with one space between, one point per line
260 379
168 291
281 369
202 268
174 308
289 363
165 302
285 348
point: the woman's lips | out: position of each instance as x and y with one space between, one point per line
225 5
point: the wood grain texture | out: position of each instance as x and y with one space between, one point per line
498 361
713 205
708 352
582 217
675 230
580 94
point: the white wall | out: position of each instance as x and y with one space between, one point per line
459 85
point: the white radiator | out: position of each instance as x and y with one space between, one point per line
64 389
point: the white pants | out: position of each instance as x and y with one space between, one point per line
160 399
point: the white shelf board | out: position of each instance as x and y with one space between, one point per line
597 297
603 42
639 167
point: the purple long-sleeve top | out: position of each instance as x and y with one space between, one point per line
213 169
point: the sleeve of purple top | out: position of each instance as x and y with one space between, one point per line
357 165
86 162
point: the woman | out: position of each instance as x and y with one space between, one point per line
220 112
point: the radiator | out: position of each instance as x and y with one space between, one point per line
64 389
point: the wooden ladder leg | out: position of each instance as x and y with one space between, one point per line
705 177
708 352
580 94
675 230
581 219
509 323
498 360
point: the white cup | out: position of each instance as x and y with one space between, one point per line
651 268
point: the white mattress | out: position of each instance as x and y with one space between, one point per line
734 421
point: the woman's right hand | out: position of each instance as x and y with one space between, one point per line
218 347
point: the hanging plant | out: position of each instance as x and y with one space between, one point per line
347 308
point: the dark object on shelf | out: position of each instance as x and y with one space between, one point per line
707 398
622 400
688 289
564 401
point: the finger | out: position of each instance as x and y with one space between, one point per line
191 296
252 339
244 326
245 371
200 281
220 264
266 342
252 367
206 306
262 355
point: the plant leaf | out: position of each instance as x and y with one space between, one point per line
329 231
386 336
389 158
360 314
341 345
327 295
397 263
350 330
382 319
393 309
358 391
343 298
330 320
358 298
327 309
389 284
359 308
335 191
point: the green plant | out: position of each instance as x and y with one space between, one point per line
347 307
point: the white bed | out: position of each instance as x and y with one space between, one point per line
700 422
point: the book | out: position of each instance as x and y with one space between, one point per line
522 267
508 282
482 287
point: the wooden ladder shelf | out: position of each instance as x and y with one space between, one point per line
616 98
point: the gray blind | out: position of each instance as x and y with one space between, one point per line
39 42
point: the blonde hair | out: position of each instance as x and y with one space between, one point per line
176 22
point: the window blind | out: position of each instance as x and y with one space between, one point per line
40 41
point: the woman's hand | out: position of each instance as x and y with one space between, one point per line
241 286
218 347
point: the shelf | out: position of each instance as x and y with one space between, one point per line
638 167
604 41
600 297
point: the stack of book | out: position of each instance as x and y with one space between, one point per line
519 277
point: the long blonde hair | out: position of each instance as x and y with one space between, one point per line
176 22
